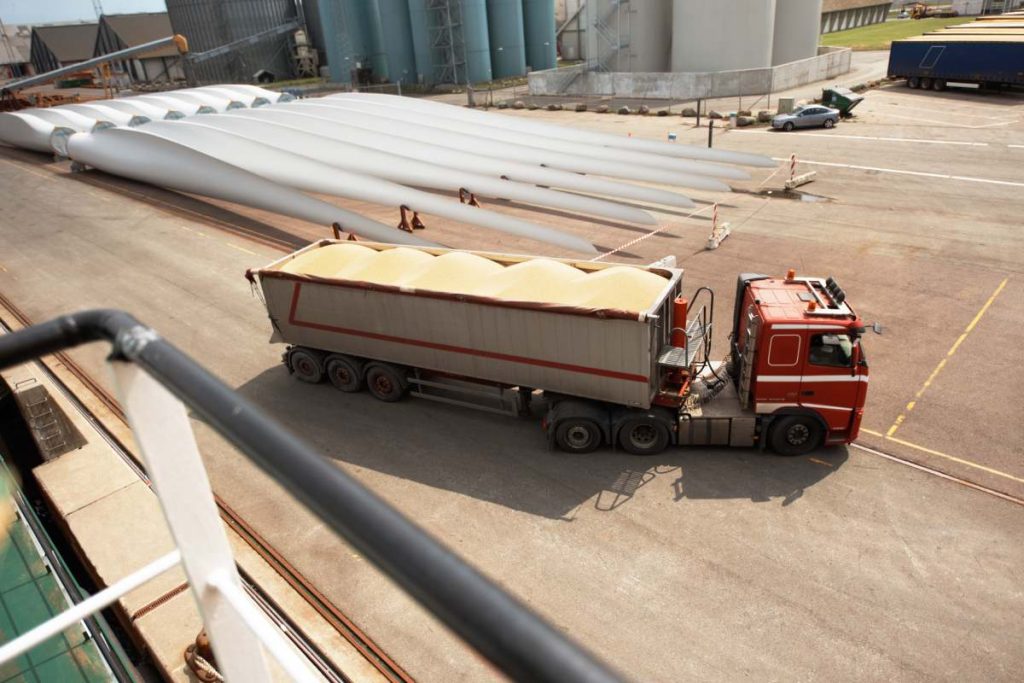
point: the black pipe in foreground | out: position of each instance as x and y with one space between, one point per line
512 637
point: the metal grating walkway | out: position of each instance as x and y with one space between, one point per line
30 595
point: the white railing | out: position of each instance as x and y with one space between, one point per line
154 381
232 620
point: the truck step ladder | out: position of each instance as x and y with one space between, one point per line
747 361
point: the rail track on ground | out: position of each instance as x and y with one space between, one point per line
345 627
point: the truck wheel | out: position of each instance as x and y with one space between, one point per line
385 382
938 84
345 373
787 126
796 435
643 436
578 435
913 82
926 83
305 365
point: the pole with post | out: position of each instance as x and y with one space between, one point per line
698 112
711 131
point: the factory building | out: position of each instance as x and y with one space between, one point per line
690 49
840 15
436 41
58 45
980 7
15 51
643 36
122 31
254 37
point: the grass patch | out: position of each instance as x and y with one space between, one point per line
880 36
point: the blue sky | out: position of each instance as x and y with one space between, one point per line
45 11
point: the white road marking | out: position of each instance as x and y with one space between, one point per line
1016 146
897 171
868 137
948 124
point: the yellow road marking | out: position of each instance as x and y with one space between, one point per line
820 462
940 454
942 363
243 249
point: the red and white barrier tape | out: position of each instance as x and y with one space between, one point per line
641 238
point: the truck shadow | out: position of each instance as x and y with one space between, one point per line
506 461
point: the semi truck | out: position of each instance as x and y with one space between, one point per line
932 61
616 353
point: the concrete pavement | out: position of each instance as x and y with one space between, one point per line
699 563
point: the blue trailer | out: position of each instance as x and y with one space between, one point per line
932 61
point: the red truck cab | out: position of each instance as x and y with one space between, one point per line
798 361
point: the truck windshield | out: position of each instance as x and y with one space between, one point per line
835 350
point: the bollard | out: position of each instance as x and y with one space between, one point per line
792 167
711 131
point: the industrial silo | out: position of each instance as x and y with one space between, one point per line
797 23
348 36
396 41
722 35
650 35
419 29
477 41
505 28
208 24
450 41
539 32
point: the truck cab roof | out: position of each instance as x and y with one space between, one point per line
804 300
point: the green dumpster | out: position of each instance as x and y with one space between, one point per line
842 99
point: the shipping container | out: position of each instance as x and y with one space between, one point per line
932 61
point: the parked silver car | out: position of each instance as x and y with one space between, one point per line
807 116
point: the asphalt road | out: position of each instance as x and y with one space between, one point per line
709 564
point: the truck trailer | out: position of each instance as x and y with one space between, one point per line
616 352
932 61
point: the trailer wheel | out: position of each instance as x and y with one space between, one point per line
938 84
796 435
305 365
578 435
346 374
643 435
385 382
926 83
913 82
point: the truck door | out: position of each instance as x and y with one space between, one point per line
830 383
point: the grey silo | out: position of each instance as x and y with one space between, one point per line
539 32
396 44
505 27
722 35
797 23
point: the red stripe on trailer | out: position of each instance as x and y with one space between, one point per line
456 349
